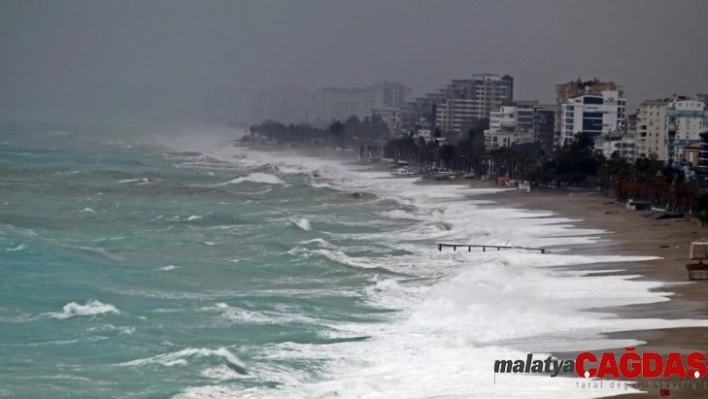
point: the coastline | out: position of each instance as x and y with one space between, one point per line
625 233
629 233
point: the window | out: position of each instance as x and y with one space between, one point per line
592 100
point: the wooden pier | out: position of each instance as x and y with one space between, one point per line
484 247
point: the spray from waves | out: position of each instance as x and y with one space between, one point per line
400 214
319 241
17 248
302 223
180 358
263 178
446 325
168 268
90 308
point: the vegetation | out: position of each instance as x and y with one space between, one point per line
341 134
575 165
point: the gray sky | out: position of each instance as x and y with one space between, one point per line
92 56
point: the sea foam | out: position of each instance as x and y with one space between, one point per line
264 178
90 308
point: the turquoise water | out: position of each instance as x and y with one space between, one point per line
134 266
156 256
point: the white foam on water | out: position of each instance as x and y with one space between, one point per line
221 373
302 223
90 308
193 218
110 327
462 310
168 268
180 357
238 315
137 180
17 248
87 210
263 178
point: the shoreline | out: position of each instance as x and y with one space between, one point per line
624 233
629 233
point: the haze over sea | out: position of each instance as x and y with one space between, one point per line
189 268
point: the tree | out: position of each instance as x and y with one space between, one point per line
336 129
352 125
448 154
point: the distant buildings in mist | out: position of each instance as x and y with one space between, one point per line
665 129
291 104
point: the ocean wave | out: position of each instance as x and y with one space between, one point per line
99 251
221 373
138 180
264 178
17 248
168 268
110 327
180 358
320 242
91 308
302 223
241 315
400 214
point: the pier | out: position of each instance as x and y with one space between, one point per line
484 247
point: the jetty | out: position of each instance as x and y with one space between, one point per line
485 246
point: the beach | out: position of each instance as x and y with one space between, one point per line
629 233
626 233
226 272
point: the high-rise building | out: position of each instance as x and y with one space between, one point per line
525 110
463 101
651 128
684 124
597 114
573 89
343 102
544 122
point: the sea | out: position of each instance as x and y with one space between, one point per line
171 263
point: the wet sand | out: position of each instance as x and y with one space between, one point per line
629 233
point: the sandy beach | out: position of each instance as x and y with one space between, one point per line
626 233
629 233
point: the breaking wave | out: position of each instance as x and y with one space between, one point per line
180 358
263 178
90 308
303 224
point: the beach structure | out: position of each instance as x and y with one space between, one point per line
485 246
634 205
698 253
525 186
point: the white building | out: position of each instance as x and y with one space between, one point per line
454 113
624 145
651 128
595 114
463 101
684 124
505 130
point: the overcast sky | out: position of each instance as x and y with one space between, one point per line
96 55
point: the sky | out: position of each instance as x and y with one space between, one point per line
78 57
